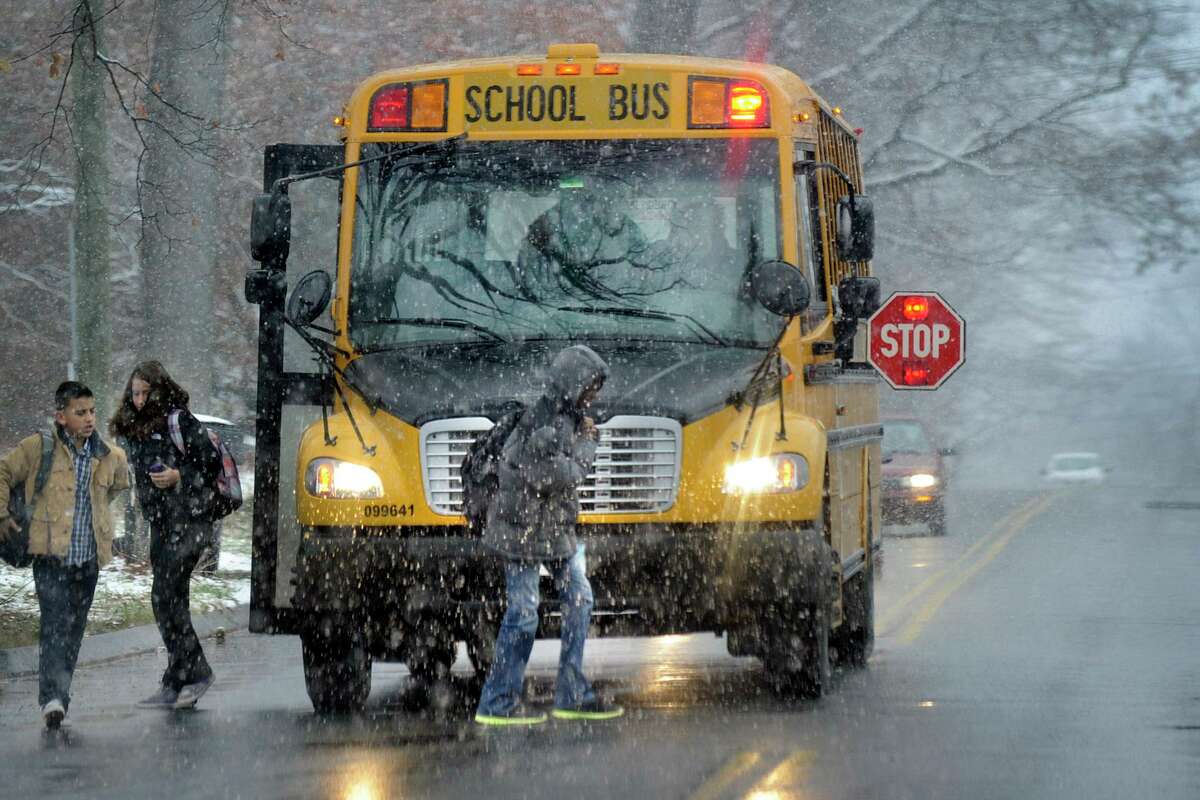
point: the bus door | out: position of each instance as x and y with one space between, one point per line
291 390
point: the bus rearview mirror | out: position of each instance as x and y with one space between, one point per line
858 296
271 227
855 228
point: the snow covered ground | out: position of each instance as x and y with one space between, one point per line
123 591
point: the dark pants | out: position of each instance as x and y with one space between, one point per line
174 551
64 597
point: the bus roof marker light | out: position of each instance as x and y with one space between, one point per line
429 105
708 103
606 69
415 106
527 70
568 69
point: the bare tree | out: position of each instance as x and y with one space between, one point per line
179 186
89 127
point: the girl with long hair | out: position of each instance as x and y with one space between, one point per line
175 488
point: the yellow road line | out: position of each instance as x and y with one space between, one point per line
733 769
909 633
892 616
786 779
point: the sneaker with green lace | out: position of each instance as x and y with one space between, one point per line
519 715
597 709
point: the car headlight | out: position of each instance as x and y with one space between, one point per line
922 480
329 477
786 472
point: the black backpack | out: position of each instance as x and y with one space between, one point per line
481 469
14 549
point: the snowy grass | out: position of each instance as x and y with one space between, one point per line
123 591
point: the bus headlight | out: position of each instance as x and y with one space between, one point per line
922 480
785 472
329 477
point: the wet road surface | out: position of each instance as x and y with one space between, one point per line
1049 646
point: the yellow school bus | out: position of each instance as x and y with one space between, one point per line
699 223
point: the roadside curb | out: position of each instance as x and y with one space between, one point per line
22 661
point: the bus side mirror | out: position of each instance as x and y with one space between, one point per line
780 287
271 227
855 228
310 297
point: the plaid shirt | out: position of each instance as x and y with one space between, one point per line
83 540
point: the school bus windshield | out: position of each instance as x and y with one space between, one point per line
564 239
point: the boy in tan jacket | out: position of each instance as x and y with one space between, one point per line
70 533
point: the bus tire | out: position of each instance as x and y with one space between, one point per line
337 667
937 520
430 652
797 652
854 641
800 666
481 643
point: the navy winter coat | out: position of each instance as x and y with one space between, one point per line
191 499
532 516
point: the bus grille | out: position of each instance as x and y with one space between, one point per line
636 470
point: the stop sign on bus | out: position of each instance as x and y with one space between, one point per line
916 340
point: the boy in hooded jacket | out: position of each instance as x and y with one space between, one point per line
531 522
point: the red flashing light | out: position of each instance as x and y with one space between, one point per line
747 105
916 375
916 308
389 108
726 103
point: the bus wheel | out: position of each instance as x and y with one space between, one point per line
430 653
481 643
937 520
797 654
799 665
337 667
853 642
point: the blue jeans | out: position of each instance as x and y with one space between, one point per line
64 597
502 691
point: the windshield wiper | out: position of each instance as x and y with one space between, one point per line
646 313
435 322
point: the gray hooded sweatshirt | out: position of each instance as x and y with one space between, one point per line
532 516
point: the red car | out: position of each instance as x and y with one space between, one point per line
914 475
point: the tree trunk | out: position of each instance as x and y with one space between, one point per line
179 191
93 328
